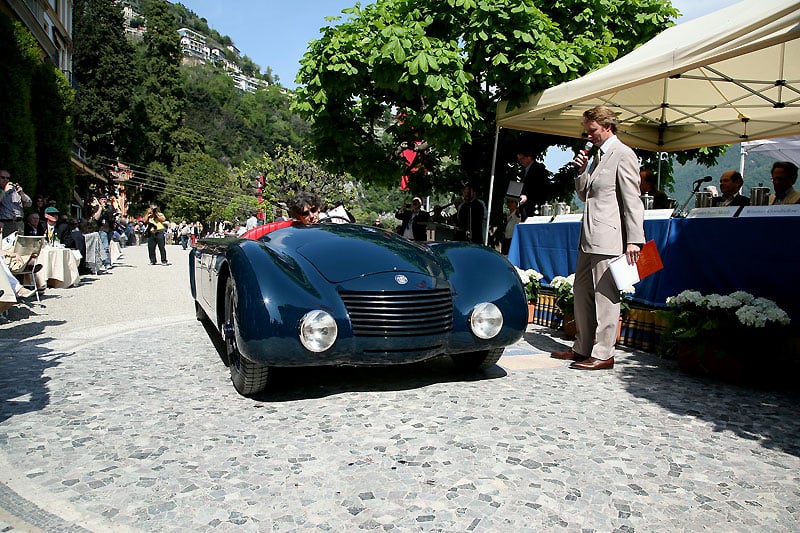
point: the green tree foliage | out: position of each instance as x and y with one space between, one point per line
199 187
17 63
52 101
444 66
104 67
161 96
289 172
236 125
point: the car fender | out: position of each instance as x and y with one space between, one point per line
274 292
479 274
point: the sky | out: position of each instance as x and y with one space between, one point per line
275 33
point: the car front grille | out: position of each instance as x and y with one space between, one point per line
399 313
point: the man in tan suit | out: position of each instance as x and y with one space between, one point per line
613 224
784 175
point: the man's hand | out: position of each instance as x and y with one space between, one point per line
580 161
522 199
632 253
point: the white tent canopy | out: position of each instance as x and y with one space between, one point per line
783 149
730 76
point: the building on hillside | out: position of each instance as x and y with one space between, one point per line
50 22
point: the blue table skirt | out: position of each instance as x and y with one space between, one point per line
712 255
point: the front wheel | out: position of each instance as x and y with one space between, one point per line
472 361
248 378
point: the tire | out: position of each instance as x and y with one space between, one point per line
248 378
473 361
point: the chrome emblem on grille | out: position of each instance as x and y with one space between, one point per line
401 279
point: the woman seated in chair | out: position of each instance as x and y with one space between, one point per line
19 290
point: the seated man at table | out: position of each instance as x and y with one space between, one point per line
784 174
77 241
55 231
730 183
649 185
34 226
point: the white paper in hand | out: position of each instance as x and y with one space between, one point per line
624 274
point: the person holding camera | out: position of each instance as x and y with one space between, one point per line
104 216
12 202
154 221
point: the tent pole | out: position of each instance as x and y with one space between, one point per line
742 156
491 188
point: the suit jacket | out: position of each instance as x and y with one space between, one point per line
419 229
738 200
535 187
614 214
792 197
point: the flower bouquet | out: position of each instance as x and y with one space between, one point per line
532 281
723 335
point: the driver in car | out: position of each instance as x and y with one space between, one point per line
303 211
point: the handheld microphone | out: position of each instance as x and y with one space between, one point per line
585 151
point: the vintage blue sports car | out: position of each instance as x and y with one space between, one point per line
348 294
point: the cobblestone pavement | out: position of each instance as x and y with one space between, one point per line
117 414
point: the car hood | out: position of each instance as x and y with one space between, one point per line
347 252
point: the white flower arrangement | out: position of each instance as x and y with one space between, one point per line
748 309
532 280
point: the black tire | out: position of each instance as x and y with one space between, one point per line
472 361
248 378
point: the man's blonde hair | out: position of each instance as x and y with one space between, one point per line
603 116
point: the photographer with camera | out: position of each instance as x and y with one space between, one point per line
12 202
154 221
104 216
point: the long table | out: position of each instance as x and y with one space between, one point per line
760 255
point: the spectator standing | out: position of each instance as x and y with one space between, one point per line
154 221
533 176
252 222
471 215
104 216
12 202
784 175
612 224
512 218
730 183
413 221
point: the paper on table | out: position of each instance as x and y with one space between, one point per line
626 275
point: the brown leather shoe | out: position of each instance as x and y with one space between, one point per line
593 364
569 355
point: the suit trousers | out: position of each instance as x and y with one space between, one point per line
597 306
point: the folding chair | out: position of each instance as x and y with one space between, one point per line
28 246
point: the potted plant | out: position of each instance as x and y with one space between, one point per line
565 301
723 336
532 281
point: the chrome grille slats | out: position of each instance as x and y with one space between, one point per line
399 313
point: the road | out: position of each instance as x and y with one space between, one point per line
117 414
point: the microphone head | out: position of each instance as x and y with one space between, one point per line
588 146
707 178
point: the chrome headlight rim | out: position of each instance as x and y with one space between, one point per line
317 331
486 320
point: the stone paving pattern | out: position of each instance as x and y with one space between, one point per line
134 426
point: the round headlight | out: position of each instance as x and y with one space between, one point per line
318 331
486 320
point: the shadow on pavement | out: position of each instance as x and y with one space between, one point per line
288 384
23 386
768 417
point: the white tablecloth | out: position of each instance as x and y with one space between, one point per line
59 267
